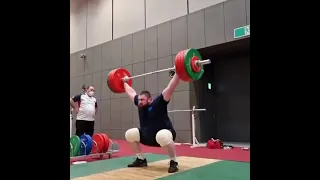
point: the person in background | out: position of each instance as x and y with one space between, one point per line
83 87
86 111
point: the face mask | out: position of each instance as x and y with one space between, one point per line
91 93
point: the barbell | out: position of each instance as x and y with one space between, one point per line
188 66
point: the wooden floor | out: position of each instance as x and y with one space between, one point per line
154 170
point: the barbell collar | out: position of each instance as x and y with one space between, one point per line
203 62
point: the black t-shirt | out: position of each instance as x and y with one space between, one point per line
155 116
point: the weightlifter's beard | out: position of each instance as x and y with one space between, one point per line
143 106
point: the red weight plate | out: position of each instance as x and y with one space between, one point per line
94 149
107 142
109 80
104 141
99 142
180 68
111 83
181 62
116 79
194 67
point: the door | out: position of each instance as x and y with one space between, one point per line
231 99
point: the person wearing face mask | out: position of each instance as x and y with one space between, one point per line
84 89
86 111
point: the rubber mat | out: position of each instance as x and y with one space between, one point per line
191 168
96 167
222 170
154 170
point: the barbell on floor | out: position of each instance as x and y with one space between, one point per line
188 66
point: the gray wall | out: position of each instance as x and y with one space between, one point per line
148 50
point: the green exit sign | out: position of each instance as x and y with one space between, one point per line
242 31
209 85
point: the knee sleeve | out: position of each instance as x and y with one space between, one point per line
164 137
132 135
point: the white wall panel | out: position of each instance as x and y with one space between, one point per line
196 5
159 11
128 17
99 25
78 9
91 20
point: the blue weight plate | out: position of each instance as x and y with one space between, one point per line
82 148
86 145
90 143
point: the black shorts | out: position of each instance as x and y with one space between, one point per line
84 127
149 138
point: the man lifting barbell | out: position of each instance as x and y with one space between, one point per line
156 128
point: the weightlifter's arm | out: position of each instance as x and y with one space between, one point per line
130 91
168 91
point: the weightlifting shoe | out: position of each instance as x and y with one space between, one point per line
139 163
173 167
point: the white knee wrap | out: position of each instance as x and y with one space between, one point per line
164 137
132 135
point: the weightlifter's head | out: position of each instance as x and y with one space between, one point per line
144 99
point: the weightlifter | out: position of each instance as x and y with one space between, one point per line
155 126
86 111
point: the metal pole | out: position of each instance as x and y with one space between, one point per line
187 110
195 142
198 63
193 126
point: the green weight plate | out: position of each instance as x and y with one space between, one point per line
75 142
187 63
71 150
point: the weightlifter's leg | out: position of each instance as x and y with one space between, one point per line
165 138
133 137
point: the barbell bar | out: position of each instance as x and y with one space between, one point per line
197 63
188 66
